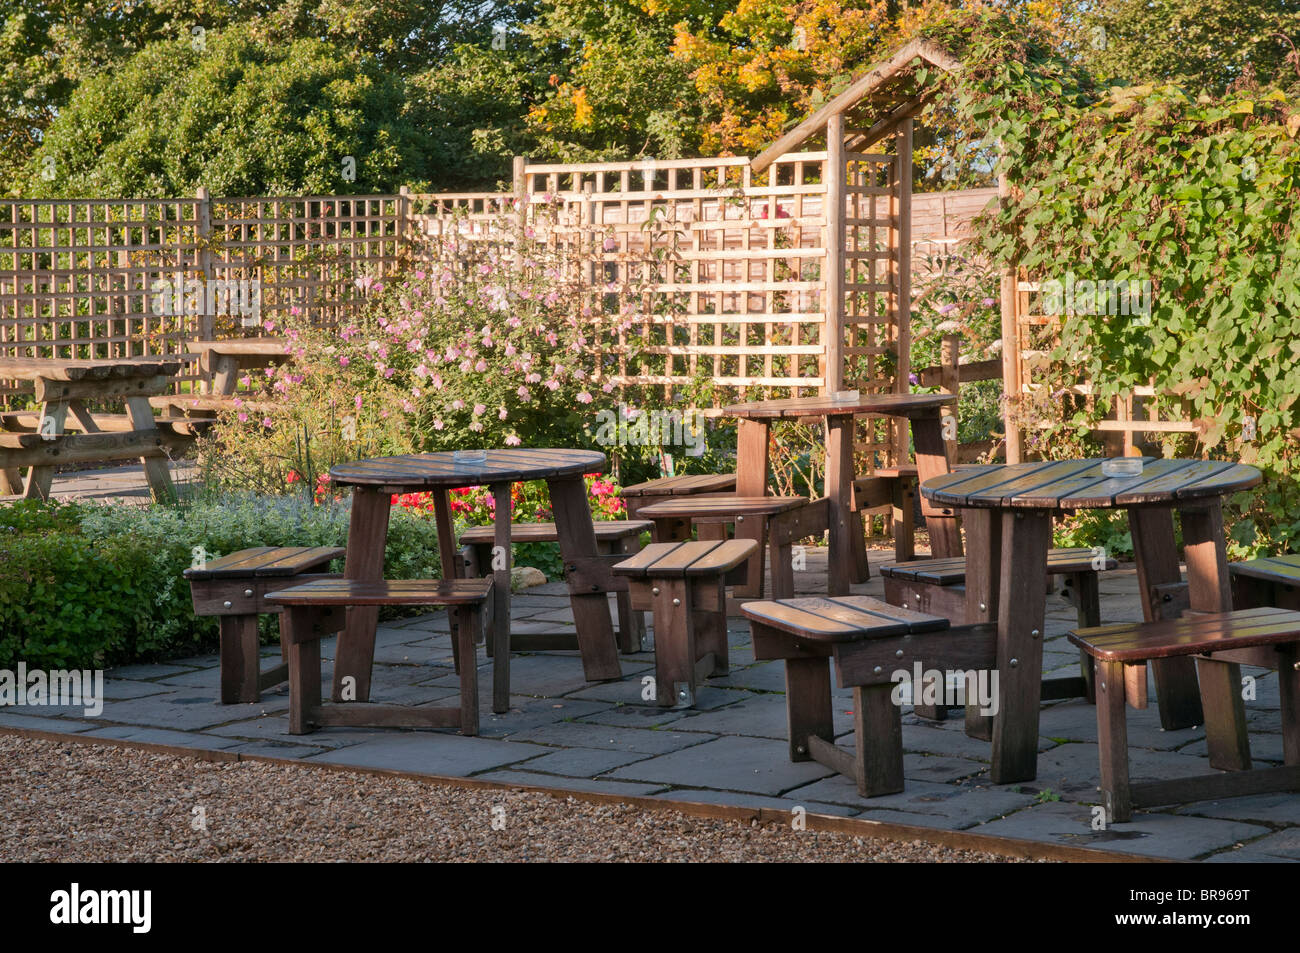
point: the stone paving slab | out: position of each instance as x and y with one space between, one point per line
588 785
731 763
429 752
734 799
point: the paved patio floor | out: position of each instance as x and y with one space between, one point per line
565 733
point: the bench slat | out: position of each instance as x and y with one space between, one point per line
723 558
952 572
1195 635
683 485
384 592
722 505
843 619
266 561
1283 569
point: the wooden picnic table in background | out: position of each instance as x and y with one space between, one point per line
373 484
221 364
62 387
847 561
1008 511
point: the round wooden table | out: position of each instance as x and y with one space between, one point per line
848 554
1007 512
375 481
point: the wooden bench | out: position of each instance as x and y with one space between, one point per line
221 362
200 406
892 489
234 588
613 537
316 609
870 641
1270 581
1220 642
653 491
684 585
777 522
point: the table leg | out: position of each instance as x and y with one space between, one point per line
1210 590
839 489
450 559
501 562
983 585
590 609
932 461
1178 696
1022 593
367 534
54 415
751 480
156 470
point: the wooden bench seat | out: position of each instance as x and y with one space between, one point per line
1270 581
316 609
1220 642
870 641
652 491
234 588
684 585
194 405
774 522
613 538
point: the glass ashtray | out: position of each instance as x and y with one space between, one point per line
846 396
1122 466
469 456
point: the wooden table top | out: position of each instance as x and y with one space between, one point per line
1080 484
424 471
57 369
893 405
241 347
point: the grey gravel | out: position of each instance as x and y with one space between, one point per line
82 802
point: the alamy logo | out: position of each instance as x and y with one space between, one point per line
60 687
953 688
629 427
1073 296
215 296
75 906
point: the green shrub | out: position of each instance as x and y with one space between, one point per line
90 585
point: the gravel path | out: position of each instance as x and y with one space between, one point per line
79 802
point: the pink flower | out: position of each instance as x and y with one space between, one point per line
343 361
479 409
502 414
266 422
243 417
523 392
438 424
457 404
358 401
584 398
512 441
481 366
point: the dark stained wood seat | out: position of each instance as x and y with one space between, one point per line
318 608
1270 581
775 521
871 642
691 484
613 538
952 572
1264 636
684 585
234 588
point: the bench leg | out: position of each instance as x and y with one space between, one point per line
858 540
1225 714
1112 742
1288 681
904 521
631 622
782 565
808 704
675 653
468 631
240 660
304 669
754 528
1087 605
878 727
711 627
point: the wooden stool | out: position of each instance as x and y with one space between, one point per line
1221 641
317 609
684 584
1271 581
613 537
777 521
653 491
234 588
869 641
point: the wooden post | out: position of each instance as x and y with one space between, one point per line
903 278
520 180
950 383
1010 346
833 242
203 234
405 222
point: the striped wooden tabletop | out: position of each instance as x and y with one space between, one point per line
841 618
423 471
49 369
1080 484
893 405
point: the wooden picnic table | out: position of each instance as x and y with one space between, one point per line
847 548
62 387
374 482
221 363
1008 511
